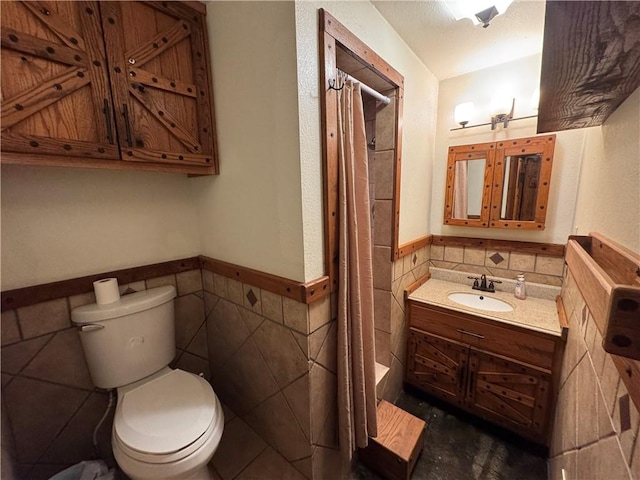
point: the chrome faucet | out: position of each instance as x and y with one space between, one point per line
480 283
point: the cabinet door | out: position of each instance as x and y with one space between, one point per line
55 93
469 179
436 365
509 393
160 81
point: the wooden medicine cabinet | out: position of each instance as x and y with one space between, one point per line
501 184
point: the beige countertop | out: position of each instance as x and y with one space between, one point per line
534 313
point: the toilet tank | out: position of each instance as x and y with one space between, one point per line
130 339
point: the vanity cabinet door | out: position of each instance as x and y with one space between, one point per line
55 90
437 365
509 393
160 81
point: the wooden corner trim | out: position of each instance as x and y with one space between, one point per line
562 318
22 297
549 249
410 247
302 292
415 285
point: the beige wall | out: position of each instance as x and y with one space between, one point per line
609 191
522 76
251 214
60 223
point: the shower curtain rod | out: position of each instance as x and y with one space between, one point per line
375 94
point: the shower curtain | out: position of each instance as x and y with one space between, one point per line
460 190
356 344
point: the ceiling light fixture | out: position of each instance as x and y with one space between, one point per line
478 11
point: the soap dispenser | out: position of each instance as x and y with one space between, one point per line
521 288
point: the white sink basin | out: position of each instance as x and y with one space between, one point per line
480 301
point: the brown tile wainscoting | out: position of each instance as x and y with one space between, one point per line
540 262
49 403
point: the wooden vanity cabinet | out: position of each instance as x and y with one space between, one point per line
122 85
501 373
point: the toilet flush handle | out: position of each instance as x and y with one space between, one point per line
89 327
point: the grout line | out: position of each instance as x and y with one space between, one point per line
252 460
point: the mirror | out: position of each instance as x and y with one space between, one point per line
469 184
501 184
520 189
468 181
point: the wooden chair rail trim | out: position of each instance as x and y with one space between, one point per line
306 293
301 292
549 249
410 247
22 297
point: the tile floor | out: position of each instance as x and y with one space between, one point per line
243 455
457 447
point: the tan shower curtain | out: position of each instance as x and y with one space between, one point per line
356 344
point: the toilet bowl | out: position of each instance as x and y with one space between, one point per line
168 423
167 426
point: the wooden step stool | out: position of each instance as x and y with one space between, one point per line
395 451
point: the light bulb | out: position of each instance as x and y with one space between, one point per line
463 113
501 103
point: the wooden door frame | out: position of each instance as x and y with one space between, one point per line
334 35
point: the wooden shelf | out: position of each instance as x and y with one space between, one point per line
608 277
589 64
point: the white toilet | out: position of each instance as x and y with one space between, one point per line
168 423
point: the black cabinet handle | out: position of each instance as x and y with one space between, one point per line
464 332
127 125
106 109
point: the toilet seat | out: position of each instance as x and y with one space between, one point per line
165 418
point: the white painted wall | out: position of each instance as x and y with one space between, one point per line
609 193
251 215
60 223
418 125
521 77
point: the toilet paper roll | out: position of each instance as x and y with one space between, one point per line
106 291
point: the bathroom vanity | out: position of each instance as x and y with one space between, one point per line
502 366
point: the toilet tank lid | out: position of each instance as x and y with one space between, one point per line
127 305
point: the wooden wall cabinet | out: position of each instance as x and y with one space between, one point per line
501 184
122 85
504 374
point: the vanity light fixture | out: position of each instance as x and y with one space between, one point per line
478 11
500 112
463 113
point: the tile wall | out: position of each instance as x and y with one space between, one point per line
49 403
536 268
596 426
404 272
273 365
